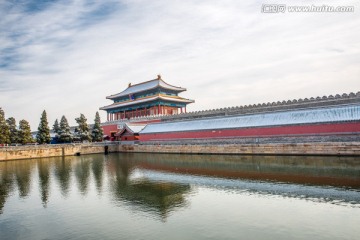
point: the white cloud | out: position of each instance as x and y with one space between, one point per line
69 56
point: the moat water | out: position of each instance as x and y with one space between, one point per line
161 196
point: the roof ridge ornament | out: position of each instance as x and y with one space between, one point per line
159 77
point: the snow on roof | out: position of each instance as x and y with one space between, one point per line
131 127
148 99
135 128
146 86
305 116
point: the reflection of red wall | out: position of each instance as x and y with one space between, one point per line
259 131
109 128
295 177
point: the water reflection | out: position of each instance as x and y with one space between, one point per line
6 184
160 198
44 179
159 184
23 176
98 171
63 173
309 170
82 173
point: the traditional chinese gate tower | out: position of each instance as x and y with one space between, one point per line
152 97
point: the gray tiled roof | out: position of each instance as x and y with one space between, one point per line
146 86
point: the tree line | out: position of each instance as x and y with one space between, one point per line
10 133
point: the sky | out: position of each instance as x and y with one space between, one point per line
66 56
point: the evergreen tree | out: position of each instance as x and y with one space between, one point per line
4 129
83 131
56 127
65 135
25 132
97 131
11 122
43 134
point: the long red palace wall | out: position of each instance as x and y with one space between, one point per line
333 128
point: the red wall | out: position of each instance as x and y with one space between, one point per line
129 138
258 132
109 128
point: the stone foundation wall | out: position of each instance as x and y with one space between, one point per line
341 149
40 151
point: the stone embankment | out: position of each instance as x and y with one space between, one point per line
54 150
338 149
315 148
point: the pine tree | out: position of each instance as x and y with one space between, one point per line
83 132
11 122
97 131
25 132
65 135
43 134
4 129
56 127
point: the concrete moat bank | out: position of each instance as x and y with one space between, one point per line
40 151
340 148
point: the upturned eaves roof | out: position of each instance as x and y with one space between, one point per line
141 87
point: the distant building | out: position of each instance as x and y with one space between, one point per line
154 97
153 111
